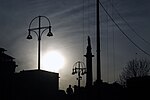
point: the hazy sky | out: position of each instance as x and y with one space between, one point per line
72 21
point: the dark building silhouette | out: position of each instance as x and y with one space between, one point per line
7 63
35 84
7 69
26 85
89 76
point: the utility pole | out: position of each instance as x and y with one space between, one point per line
98 43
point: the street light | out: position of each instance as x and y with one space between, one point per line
79 68
39 32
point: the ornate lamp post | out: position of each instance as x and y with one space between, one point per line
79 68
39 32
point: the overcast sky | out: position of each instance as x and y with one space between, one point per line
72 21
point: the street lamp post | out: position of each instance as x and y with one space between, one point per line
79 68
39 32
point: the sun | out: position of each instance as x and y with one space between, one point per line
52 61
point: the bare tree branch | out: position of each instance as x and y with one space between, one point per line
135 68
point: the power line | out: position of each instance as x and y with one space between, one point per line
114 65
107 45
83 25
132 29
122 30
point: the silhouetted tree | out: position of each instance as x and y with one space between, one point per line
135 68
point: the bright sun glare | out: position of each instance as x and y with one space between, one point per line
52 61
